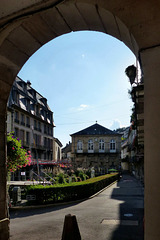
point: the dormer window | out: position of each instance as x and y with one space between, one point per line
37 110
27 104
16 97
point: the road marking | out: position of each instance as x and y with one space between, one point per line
128 215
119 222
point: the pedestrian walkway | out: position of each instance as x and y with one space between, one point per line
130 192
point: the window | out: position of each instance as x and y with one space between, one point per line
35 139
22 120
101 145
16 117
112 145
39 126
37 110
45 141
79 146
35 125
28 122
90 146
51 143
16 96
51 131
22 136
45 129
28 104
27 138
16 132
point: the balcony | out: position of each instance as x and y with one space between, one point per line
79 151
107 151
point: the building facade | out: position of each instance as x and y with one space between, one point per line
66 152
31 120
57 150
132 148
98 147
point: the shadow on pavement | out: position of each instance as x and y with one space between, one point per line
131 211
25 212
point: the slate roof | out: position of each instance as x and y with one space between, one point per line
96 129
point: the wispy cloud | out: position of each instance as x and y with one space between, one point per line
115 124
80 108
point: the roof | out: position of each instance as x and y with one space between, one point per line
67 148
96 129
58 142
27 99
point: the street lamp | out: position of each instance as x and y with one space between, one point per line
131 72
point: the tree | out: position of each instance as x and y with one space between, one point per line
17 156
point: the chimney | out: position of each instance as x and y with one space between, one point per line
28 83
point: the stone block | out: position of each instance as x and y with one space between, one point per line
13 54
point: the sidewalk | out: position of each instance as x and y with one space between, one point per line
130 192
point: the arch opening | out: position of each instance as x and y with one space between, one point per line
14 53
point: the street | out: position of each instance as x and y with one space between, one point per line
114 214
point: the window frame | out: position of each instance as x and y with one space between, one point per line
90 146
79 146
112 146
101 146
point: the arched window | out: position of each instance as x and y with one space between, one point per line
90 146
112 145
79 146
101 145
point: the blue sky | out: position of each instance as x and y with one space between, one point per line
82 75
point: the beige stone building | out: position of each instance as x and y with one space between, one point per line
98 147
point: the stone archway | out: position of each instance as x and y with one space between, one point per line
26 26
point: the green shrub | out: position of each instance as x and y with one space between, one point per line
70 191
82 176
61 178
